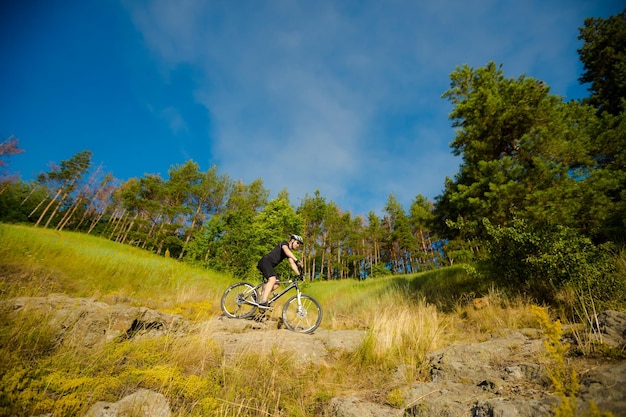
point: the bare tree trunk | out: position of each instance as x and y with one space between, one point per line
96 221
339 266
56 209
116 219
41 216
69 214
31 192
129 228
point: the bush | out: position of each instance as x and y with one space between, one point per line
542 261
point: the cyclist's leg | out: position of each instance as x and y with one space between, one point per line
269 275
270 286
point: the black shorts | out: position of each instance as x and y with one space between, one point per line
266 268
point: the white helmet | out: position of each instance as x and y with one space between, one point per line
298 238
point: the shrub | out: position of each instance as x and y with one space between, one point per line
541 261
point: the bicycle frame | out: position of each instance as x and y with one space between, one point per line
293 283
300 313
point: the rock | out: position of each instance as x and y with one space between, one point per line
143 403
485 379
611 325
236 336
513 407
356 407
606 386
84 322
499 361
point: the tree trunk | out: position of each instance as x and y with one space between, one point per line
41 216
56 209
69 214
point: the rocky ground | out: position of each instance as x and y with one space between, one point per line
496 377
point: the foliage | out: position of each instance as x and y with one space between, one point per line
538 201
523 153
564 380
603 56
543 261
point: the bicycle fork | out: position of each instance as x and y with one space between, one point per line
300 311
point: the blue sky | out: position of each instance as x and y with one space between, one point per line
338 96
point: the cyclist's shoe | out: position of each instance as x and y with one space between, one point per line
264 305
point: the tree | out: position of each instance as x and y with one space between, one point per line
62 181
421 219
230 240
374 238
207 197
275 223
85 194
100 202
524 153
534 194
313 213
603 56
8 147
401 242
18 200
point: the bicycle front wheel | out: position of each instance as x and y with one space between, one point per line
303 317
239 300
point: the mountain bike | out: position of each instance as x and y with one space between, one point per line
301 313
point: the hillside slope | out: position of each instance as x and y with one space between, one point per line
86 323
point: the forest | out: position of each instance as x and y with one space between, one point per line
538 203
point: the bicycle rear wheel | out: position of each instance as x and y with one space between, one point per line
302 318
239 300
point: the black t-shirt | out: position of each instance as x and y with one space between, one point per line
277 254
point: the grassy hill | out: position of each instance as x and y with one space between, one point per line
405 317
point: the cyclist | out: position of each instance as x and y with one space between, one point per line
268 262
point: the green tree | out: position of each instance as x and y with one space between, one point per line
374 236
421 219
401 242
18 199
543 261
275 223
178 217
313 213
229 241
524 153
604 188
603 56
207 197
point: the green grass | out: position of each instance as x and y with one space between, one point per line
37 262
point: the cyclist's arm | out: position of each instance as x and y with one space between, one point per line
292 259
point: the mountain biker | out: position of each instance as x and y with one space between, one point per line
274 257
